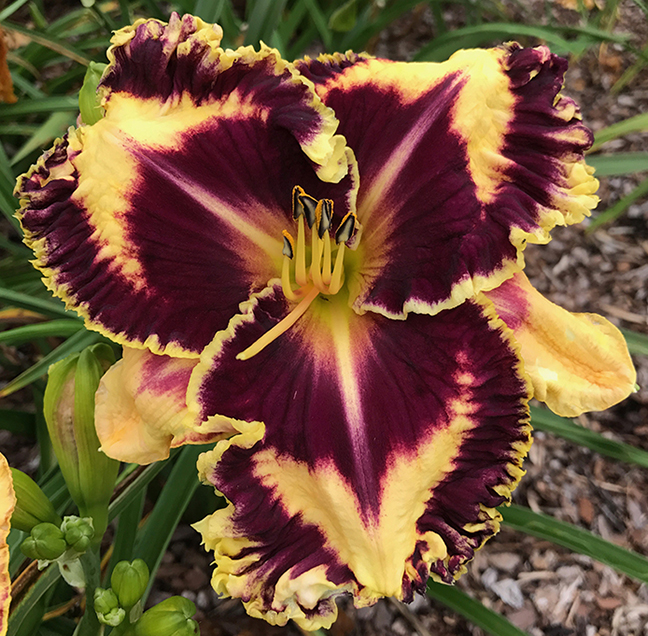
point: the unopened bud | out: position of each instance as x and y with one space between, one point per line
78 532
32 506
89 100
107 607
171 617
129 581
69 412
46 543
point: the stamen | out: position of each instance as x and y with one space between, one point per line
316 259
326 214
297 207
288 251
345 230
300 268
280 327
337 279
326 267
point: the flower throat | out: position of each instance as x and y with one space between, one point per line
324 274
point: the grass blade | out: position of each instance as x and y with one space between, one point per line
48 306
38 106
569 536
19 422
169 507
637 342
619 207
474 611
263 21
445 45
620 164
56 328
77 342
638 123
49 42
544 420
55 126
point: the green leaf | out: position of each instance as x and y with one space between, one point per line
47 306
638 123
11 9
544 420
154 538
637 342
569 536
75 343
19 422
620 164
344 18
474 611
52 328
264 19
614 212
319 20
54 126
36 106
209 10
50 42
445 45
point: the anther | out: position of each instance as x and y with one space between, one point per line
345 229
310 207
288 245
297 207
326 215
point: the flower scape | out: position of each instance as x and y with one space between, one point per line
318 267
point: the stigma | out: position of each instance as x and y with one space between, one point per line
303 281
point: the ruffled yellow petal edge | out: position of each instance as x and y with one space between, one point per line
577 362
7 504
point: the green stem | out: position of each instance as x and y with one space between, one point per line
89 624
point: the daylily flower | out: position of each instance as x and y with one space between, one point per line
7 503
318 265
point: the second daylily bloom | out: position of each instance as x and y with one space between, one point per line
7 503
317 266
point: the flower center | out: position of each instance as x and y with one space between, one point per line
325 272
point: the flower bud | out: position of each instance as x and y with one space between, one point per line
78 533
107 607
69 412
89 101
171 617
129 581
32 506
46 543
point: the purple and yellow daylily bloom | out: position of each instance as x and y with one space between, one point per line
7 504
318 267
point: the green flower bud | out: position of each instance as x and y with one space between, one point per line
78 532
129 581
46 543
171 617
69 412
32 506
107 607
89 100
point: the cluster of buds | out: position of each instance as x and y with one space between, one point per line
120 606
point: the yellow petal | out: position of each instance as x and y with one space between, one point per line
576 362
141 410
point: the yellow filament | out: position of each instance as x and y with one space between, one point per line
337 279
300 269
316 259
280 327
326 268
285 280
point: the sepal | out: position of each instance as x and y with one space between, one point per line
89 100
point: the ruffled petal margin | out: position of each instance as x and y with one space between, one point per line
141 409
7 504
370 453
576 362
157 221
461 164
